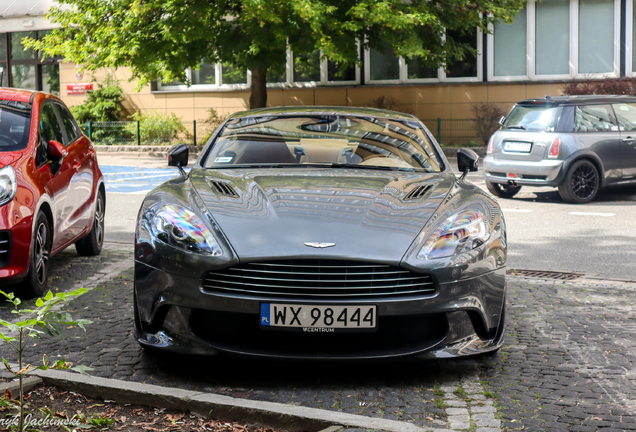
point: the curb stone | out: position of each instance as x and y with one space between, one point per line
277 415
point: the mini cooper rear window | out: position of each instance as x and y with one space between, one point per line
533 118
15 123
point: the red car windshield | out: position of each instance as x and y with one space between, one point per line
15 123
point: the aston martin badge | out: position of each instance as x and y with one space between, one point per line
319 245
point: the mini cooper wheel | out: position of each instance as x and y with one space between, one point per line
502 190
34 284
581 183
92 244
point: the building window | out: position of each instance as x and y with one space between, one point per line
596 36
510 47
23 68
552 40
306 70
557 39
387 67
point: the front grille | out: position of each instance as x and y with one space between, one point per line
322 279
5 248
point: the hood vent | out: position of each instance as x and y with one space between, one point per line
223 188
417 192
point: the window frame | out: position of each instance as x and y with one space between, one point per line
629 36
441 72
574 48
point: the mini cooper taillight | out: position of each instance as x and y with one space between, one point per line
553 151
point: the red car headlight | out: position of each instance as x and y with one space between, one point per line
8 184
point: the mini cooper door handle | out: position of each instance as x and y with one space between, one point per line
628 140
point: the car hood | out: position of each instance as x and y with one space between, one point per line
7 158
366 214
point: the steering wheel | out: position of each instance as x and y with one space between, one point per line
8 139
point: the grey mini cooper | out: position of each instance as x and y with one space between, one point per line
576 143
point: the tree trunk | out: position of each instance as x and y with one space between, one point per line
258 98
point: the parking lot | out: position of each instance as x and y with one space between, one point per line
568 361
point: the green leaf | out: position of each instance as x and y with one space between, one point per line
56 328
6 365
48 296
7 338
39 302
82 369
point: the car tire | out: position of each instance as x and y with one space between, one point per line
502 190
92 244
581 183
36 280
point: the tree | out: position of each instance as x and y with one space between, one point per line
159 39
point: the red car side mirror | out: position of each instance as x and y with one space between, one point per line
56 150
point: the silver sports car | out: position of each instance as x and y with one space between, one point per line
322 233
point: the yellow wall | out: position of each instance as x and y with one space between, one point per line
426 101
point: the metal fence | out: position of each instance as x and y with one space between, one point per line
447 132
454 132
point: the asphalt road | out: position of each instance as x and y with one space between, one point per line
544 232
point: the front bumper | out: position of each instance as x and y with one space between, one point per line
15 247
461 318
547 172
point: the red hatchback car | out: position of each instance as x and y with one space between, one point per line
51 189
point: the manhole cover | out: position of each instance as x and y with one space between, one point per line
545 274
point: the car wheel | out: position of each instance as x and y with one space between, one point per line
581 183
502 190
92 244
34 284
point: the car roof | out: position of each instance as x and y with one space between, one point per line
578 99
17 95
326 110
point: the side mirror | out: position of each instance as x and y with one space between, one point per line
467 160
56 150
502 120
178 155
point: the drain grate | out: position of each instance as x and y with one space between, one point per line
545 274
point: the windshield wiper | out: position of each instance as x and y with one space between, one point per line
516 127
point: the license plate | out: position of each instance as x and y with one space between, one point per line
519 147
313 318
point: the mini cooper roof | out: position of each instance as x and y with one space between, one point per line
578 100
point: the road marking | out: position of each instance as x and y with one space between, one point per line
516 210
591 214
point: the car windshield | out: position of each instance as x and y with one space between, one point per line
533 118
303 140
15 123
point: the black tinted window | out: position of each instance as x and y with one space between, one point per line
72 130
15 123
593 118
50 130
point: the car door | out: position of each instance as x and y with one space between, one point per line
595 129
82 181
626 116
61 172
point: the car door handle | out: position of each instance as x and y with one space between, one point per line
628 140
77 165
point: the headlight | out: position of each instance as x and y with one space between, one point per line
459 233
180 227
8 184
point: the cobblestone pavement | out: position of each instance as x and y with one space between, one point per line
568 364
